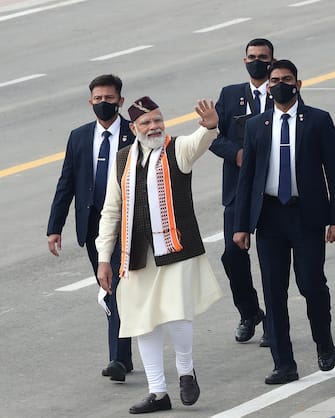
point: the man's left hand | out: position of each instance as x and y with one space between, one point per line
105 276
207 113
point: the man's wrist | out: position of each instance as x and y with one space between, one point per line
104 259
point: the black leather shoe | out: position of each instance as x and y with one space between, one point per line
246 328
150 404
189 389
264 342
326 361
116 371
111 368
281 376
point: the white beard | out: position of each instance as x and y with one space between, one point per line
154 142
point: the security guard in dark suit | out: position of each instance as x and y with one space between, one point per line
236 104
79 180
286 191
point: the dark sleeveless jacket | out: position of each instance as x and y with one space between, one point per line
183 208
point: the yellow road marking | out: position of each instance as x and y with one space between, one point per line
181 119
171 122
32 164
319 79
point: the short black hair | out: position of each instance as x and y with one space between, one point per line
260 42
107 80
287 64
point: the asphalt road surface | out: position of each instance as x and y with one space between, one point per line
53 343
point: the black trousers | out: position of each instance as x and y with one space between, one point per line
236 263
119 348
281 234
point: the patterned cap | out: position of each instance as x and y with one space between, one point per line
141 106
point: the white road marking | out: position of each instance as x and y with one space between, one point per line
214 238
20 4
322 409
6 311
22 79
124 52
77 285
276 395
223 25
39 9
303 3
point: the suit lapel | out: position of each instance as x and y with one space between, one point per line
90 136
243 99
267 119
126 136
250 99
238 104
300 123
263 142
268 102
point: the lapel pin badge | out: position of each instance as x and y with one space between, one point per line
301 117
267 123
241 101
124 138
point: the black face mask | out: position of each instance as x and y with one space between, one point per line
105 111
258 69
283 92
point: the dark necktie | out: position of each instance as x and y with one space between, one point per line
284 188
101 174
257 101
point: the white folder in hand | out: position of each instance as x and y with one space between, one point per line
101 295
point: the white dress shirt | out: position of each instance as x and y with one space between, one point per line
262 96
114 130
272 182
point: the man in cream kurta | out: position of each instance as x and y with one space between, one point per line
176 282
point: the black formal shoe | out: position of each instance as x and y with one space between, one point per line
326 360
264 342
111 368
189 389
150 404
281 376
116 371
246 328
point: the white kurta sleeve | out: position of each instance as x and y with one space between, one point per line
110 221
190 147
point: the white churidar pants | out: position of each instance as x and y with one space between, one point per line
151 350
